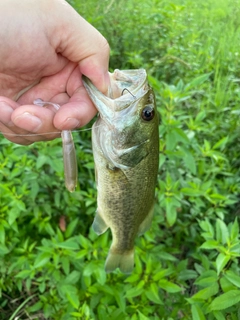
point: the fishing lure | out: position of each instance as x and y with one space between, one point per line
69 152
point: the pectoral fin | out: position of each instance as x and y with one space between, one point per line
99 225
129 157
146 224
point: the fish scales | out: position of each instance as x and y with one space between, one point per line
125 143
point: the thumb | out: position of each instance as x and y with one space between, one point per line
80 42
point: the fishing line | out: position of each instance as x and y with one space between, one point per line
42 134
40 102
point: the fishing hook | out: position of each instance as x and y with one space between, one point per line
128 92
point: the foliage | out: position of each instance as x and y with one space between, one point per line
186 265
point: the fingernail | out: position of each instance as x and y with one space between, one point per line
6 112
28 121
70 123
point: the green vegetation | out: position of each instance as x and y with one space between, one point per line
187 264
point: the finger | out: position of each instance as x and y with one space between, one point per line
37 121
6 108
26 124
76 113
7 128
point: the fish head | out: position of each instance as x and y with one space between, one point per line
128 119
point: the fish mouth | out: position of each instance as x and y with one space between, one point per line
126 82
126 88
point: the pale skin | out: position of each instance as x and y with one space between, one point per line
45 48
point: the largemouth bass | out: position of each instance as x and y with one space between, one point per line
125 144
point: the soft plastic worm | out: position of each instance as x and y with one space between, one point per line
69 153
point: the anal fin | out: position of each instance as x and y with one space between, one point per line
99 225
146 224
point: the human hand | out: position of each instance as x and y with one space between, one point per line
45 48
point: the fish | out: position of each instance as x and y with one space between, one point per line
125 142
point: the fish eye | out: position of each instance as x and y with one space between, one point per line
148 113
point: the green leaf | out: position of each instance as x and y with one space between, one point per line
34 189
24 274
171 140
71 227
37 306
13 214
192 192
206 226
189 161
142 316
132 278
197 313
42 287
225 300
166 256
84 242
171 212
41 160
70 244
65 264
221 262
162 160
121 301
207 278
152 294
206 293
71 293
57 198
169 286
180 135
197 81
101 275
134 292
226 285
187 275
234 234
218 315
163 273
42 259
222 232
20 205
233 278
221 143
200 116
73 277
210 244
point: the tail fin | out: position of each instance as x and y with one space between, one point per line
124 261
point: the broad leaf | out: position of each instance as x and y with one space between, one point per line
226 300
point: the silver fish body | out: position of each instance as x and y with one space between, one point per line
125 143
